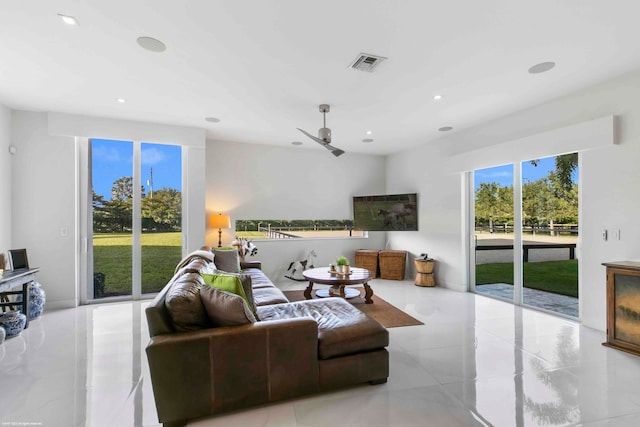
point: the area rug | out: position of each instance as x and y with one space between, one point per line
382 311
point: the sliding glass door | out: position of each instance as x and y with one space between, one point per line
550 233
111 183
161 206
136 217
525 219
494 233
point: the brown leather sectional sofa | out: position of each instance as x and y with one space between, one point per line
294 349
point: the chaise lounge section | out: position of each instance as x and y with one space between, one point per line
291 349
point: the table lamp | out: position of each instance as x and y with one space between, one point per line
219 221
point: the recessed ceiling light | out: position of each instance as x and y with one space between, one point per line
212 119
151 44
369 132
437 97
69 20
367 140
541 67
445 129
121 100
296 143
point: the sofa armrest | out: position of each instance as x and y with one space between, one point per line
214 370
251 264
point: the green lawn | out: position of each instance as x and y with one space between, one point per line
560 277
161 252
251 234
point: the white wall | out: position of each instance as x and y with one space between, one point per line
5 180
43 203
610 183
250 181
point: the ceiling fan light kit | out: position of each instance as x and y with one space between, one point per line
324 133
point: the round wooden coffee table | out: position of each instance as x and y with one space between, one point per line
321 275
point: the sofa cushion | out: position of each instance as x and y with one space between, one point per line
264 291
268 296
342 328
258 278
239 284
184 304
225 308
227 259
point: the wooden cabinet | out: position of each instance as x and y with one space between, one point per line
623 306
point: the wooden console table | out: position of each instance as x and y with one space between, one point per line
623 306
13 279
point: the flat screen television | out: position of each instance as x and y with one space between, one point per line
392 212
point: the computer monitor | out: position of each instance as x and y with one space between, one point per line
18 259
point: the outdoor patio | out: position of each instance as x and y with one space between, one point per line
533 297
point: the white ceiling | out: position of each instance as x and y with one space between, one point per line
263 66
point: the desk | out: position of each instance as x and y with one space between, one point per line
13 279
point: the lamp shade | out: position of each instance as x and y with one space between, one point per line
219 221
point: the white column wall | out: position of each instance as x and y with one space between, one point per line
43 199
5 180
193 205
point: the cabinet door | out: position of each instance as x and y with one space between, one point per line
623 311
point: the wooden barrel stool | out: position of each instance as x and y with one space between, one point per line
424 275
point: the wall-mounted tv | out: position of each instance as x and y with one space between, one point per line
393 212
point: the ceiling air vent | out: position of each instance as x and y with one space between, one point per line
366 62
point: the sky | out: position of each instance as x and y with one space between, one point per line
114 159
503 175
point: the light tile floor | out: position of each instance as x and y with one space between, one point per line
476 361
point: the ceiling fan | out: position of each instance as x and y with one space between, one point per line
324 133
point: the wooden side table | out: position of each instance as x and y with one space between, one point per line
424 275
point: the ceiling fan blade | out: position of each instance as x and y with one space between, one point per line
335 151
318 140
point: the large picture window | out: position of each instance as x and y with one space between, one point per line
294 229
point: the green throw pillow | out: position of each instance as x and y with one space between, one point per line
228 283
